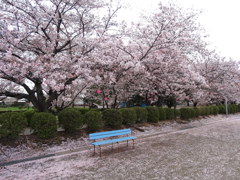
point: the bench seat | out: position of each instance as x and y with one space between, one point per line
111 137
109 141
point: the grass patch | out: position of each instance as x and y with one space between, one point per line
15 108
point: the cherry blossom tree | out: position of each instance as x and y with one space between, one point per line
52 50
152 57
222 78
159 49
47 48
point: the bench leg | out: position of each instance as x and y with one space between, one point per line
133 143
118 147
127 143
94 151
112 146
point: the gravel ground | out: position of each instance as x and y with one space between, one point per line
209 150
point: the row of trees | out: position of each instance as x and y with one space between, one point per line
53 51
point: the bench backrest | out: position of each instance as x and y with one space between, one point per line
106 134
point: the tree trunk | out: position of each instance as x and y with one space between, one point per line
195 104
115 101
146 98
159 101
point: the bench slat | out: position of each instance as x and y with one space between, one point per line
113 140
106 134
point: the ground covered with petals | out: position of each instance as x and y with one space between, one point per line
202 149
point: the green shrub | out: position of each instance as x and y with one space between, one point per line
222 109
232 108
11 124
169 113
202 111
177 113
71 119
215 110
83 110
211 109
192 112
196 112
141 113
44 125
153 114
29 114
185 113
94 120
129 116
112 118
162 114
207 110
235 108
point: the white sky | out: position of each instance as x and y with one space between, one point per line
220 18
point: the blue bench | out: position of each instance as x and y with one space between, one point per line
110 137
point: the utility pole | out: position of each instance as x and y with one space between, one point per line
226 103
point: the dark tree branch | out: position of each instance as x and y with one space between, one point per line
15 95
45 33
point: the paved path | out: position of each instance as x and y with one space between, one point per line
210 152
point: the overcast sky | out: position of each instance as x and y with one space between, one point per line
220 18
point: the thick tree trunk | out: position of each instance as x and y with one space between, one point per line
159 101
115 101
106 104
171 101
115 98
42 106
146 98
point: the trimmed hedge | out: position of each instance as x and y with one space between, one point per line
142 114
211 109
112 118
193 112
29 114
207 110
197 112
201 111
11 124
222 109
215 110
71 119
44 125
169 113
83 110
162 114
185 113
177 113
232 108
153 114
129 116
204 111
94 120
